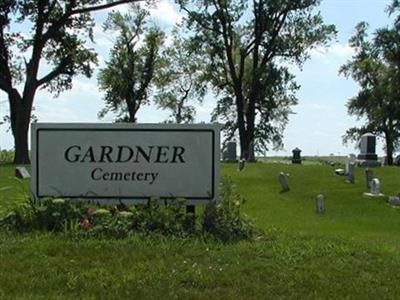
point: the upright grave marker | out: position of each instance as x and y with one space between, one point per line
296 159
346 167
231 155
375 190
126 162
369 175
320 204
351 174
375 186
283 182
367 156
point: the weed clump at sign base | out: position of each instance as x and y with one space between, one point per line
221 220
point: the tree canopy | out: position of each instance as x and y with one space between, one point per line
180 81
249 46
128 77
375 66
52 52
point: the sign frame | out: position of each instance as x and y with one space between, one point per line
38 128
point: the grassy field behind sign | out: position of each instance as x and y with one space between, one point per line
349 214
350 252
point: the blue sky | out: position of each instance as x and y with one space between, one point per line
320 118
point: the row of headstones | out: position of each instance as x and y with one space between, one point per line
230 154
372 183
320 199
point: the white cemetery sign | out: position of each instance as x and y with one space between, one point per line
126 162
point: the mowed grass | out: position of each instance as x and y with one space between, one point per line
349 214
350 252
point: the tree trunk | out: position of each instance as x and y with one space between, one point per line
389 149
21 155
20 115
246 146
252 156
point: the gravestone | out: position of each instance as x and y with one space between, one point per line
242 164
339 172
22 173
296 159
351 159
320 204
394 201
351 174
231 155
375 190
367 156
284 182
375 186
346 167
369 175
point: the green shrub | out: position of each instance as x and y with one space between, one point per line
6 156
221 220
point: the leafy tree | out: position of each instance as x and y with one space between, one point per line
179 81
249 45
376 67
127 78
47 57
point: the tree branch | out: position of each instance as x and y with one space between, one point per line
199 21
5 73
53 74
70 11
100 7
4 86
272 46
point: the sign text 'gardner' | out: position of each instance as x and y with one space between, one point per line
125 161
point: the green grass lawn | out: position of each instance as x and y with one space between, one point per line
350 252
349 214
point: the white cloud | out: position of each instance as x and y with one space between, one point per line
319 106
103 39
341 50
332 53
166 12
321 134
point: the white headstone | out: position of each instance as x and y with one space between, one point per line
346 167
284 182
375 186
320 204
22 173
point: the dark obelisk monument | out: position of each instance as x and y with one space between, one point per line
367 156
